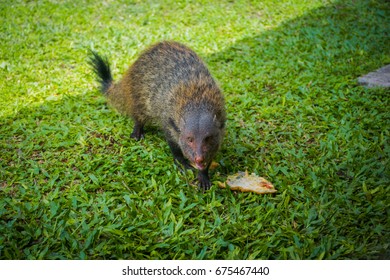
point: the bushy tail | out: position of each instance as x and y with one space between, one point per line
102 69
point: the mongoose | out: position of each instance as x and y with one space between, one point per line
169 85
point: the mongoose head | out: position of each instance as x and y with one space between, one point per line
201 134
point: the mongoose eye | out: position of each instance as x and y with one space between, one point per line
190 140
208 138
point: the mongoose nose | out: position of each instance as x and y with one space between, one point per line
199 159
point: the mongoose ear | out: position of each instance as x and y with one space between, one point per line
221 125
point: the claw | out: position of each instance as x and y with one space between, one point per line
204 181
138 131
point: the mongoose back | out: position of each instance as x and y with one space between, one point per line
169 85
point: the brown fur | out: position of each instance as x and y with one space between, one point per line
169 85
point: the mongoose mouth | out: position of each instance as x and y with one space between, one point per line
199 166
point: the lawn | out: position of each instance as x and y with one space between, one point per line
74 185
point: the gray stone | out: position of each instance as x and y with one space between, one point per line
378 78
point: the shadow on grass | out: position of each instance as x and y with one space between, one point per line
305 70
295 113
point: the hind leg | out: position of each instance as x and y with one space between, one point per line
138 131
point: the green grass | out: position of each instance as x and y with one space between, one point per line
74 185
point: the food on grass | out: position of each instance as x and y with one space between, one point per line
244 182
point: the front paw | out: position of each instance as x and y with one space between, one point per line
204 181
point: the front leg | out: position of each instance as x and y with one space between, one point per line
138 131
204 180
178 155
